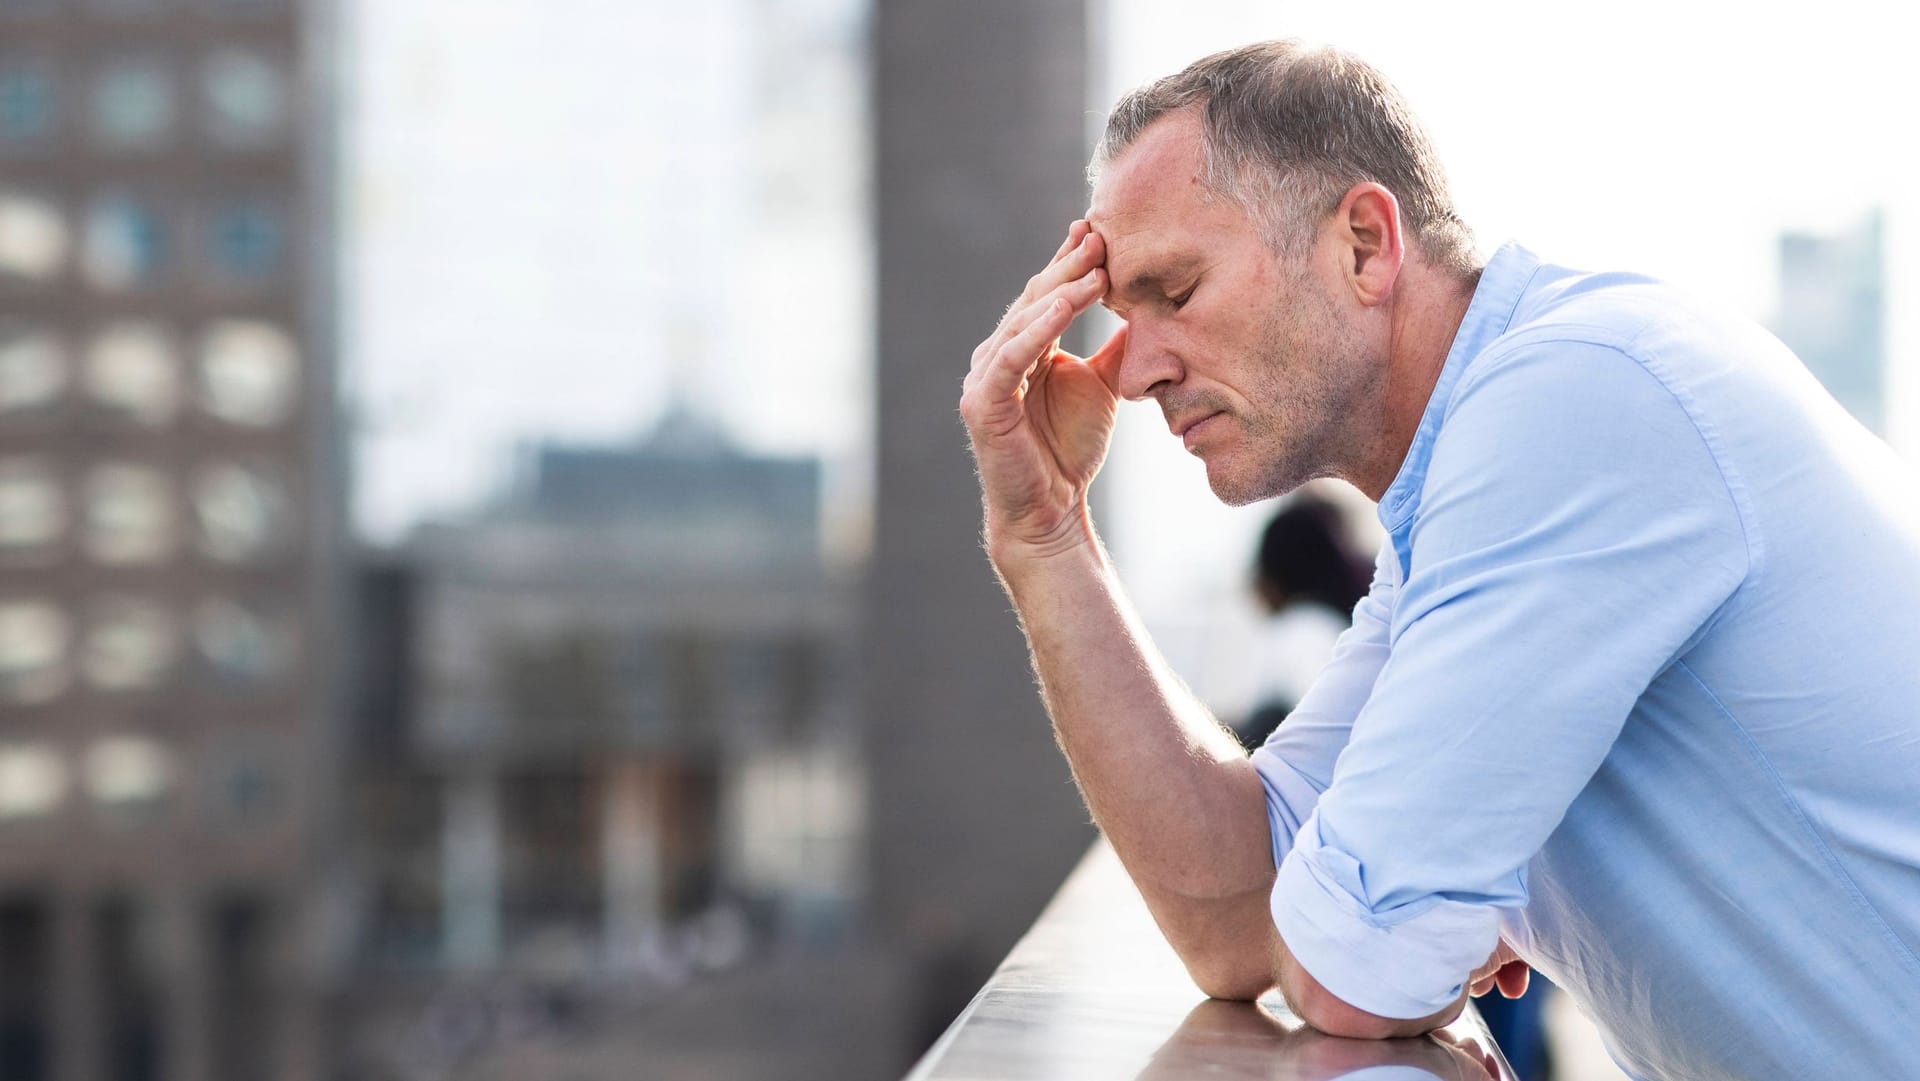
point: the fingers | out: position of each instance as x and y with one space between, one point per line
1040 326
1084 251
1075 233
1071 283
1512 979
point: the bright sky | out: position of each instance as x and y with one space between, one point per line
1675 138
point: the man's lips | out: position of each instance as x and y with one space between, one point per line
1187 430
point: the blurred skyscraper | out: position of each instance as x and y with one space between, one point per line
1833 313
169 538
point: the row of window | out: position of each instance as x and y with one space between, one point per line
131 779
129 240
125 513
244 372
131 644
136 101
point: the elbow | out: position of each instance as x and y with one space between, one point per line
1227 975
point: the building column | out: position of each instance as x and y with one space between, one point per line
630 859
470 870
76 1015
981 143
185 1024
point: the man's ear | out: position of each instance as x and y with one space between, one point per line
1372 245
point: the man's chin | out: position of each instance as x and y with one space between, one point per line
1238 490
1232 490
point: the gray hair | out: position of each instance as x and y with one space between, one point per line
1289 129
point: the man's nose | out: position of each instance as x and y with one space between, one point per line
1147 366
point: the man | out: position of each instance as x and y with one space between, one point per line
1635 696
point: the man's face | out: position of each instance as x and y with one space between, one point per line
1260 364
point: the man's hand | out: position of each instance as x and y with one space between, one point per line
1503 969
1040 418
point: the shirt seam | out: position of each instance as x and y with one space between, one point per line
1705 432
1827 854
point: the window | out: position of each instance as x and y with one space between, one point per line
33 780
33 236
242 648
129 514
133 370
129 777
29 101
244 784
246 240
131 103
245 97
33 512
125 244
33 651
242 512
33 367
247 372
130 644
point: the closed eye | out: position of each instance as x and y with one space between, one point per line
1178 302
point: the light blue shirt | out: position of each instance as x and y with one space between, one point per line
1637 687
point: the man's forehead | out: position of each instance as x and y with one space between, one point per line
1164 166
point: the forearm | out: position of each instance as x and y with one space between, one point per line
1172 790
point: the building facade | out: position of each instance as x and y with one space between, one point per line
168 539
618 761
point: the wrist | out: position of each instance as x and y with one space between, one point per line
1016 553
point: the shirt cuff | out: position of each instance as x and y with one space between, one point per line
1405 962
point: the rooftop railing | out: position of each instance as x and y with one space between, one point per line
1094 993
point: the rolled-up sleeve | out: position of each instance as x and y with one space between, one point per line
1574 533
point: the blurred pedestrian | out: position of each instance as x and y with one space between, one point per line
1308 579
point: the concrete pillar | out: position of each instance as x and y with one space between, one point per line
630 859
470 869
980 153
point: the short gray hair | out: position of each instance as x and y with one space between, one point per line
1289 129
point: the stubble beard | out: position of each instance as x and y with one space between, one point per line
1315 381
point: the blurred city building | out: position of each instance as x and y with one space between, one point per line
1833 313
617 757
170 553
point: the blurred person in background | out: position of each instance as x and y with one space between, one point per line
1307 581
1632 695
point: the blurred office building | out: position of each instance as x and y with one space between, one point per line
1833 313
169 542
616 758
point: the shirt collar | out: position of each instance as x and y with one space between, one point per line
1502 284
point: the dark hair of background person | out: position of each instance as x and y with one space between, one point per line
1304 557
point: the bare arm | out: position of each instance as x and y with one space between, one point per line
1171 789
